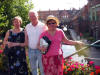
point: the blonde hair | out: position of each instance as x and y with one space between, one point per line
19 18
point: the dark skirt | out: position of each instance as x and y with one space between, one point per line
17 61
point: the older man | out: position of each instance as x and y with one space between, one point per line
34 29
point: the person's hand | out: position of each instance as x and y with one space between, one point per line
11 44
80 43
43 49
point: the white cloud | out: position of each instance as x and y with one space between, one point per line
58 4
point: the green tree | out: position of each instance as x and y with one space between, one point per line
10 9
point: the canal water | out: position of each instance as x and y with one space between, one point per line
70 49
89 52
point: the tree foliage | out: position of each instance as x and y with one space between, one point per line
10 9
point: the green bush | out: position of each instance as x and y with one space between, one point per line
91 39
3 63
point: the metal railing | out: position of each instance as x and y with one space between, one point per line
84 48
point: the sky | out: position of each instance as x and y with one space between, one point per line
58 4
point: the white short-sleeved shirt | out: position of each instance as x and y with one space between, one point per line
33 33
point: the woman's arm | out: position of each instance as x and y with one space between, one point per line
6 38
6 42
11 44
71 42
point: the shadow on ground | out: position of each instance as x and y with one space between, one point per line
3 73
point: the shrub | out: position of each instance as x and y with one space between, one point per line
3 60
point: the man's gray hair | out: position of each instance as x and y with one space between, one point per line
33 11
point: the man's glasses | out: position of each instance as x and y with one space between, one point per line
51 23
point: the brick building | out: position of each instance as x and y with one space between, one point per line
80 21
88 19
94 15
63 15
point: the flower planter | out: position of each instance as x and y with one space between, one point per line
75 68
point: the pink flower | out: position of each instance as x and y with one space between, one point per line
97 67
70 57
91 62
72 66
68 64
82 64
76 63
69 61
76 67
1 51
87 65
65 72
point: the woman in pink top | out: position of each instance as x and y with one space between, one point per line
53 59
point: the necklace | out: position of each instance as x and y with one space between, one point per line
17 30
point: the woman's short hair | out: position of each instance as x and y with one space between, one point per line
19 18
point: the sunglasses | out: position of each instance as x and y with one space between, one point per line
51 23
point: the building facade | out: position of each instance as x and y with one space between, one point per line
63 15
87 20
94 15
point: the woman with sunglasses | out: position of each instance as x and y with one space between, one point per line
53 59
